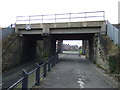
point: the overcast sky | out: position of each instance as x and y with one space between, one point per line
9 9
73 42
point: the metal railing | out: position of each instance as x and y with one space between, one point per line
113 33
64 17
34 77
6 32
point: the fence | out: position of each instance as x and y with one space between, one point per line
35 76
64 17
7 32
113 33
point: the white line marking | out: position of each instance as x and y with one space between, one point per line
81 83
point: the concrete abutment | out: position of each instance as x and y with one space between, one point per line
49 45
59 46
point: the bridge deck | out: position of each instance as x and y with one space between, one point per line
62 28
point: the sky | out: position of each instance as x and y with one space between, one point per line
9 9
73 42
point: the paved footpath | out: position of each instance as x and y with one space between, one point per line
73 72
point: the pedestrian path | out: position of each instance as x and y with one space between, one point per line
73 72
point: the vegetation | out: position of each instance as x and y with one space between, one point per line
43 54
111 57
114 64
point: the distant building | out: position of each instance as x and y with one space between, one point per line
67 47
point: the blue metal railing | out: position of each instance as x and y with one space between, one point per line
64 17
45 67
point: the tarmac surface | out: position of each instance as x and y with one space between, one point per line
74 72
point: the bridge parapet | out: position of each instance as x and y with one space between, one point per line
55 23
64 17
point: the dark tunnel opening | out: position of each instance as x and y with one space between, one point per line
51 45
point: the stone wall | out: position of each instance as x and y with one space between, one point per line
103 49
11 52
21 49
40 51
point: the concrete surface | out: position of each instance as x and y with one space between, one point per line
63 28
74 72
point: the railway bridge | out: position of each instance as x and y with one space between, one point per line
58 27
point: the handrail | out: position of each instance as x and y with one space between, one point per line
55 17
39 75
15 83
32 71
42 65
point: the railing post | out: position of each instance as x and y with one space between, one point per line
70 17
104 15
85 15
42 18
45 70
52 61
56 58
29 19
49 65
55 18
38 75
25 80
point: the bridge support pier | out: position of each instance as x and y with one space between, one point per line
49 45
84 46
59 46
91 49
53 46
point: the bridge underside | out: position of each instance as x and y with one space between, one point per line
72 36
61 36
